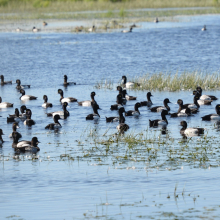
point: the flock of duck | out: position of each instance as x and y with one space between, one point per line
185 110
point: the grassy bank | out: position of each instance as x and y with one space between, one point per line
170 82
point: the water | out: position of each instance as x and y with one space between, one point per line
75 178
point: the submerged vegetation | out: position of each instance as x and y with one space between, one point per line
173 82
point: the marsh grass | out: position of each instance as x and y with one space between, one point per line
175 82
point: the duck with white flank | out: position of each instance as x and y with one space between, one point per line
128 85
68 99
67 83
182 109
3 82
114 119
123 93
134 112
95 115
46 104
147 103
64 114
25 146
204 28
54 125
29 121
205 97
5 104
19 86
161 108
1 139
14 129
127 31
26 97
159 122
187 112
122 127
34 29
213 116
119 103
88 103
190 131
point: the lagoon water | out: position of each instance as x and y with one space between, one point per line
75 175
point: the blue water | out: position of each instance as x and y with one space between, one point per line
104 185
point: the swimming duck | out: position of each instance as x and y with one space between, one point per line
147 103
204 28
34 29
5 104
19 86
63 113
4 82
88 103
187 112
46 104
44 23
119 103
136 112
190 131
1 139
16 114
25 146
68 99
122 127
54 125
123 92
29 121
23 108
14 128
213 116
156 20
161 108
182 107
157 122
26 97
205 97
67 83
18 29
95 115
114 119
127 31
128 85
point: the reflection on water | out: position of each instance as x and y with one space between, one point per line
85 170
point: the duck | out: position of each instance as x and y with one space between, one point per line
23 110
16 114
14 128
95 115
63 113
5 104
193 107
190 131
54 125
18 29
119 104
134 112
67 83
114 119
92 29
127 31
213 116
205 97
3 82
1 139
15 117
46 104
68 99
123 93
25 146
186 113
156 20
19 86
26 97
34 29
128 85
122 127
45 23
147 103
88 103
29 121
204 28
161 108
157 122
